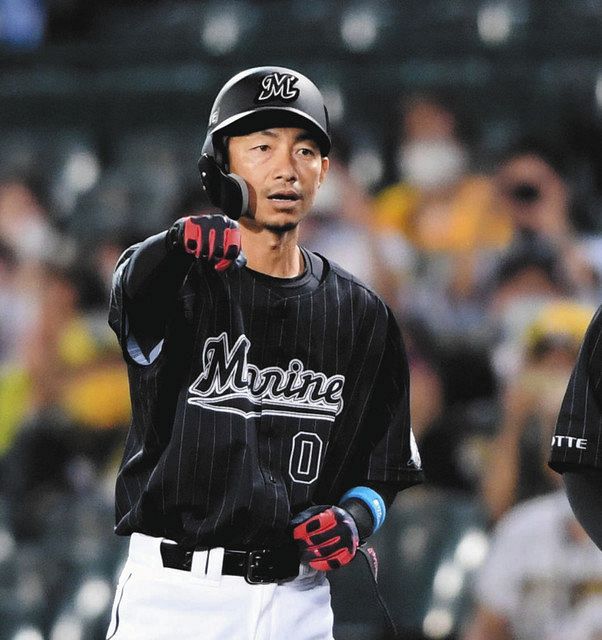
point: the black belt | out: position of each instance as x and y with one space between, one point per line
256 567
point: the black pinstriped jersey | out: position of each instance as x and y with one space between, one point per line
260 400
577 442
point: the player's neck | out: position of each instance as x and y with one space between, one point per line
276 255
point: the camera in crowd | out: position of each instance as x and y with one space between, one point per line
524 192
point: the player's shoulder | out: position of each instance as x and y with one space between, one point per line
591 351
358 290
119 270
596 321
354 284
126 255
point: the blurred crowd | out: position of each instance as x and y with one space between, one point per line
493 279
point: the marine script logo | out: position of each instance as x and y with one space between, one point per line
229 383
278 85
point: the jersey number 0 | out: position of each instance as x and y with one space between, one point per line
306 455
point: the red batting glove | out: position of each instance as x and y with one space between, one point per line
214 238
327 536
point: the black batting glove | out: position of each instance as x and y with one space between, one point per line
213 237
327 537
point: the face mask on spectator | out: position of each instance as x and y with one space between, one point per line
432 164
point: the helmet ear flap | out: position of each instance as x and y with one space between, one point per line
227 191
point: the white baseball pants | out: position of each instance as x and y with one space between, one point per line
157 603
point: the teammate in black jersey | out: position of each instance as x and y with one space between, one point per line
577 443
271 423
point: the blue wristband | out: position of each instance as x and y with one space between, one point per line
371 499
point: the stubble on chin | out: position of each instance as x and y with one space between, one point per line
281 229
261 220
250 221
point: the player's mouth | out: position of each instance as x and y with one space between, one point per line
285 198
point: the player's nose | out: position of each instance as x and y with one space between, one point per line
284 166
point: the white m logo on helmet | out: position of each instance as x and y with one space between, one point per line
278 85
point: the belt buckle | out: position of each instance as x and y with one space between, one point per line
254 561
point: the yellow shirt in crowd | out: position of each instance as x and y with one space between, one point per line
464 220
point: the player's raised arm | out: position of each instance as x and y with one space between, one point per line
159 264
150 274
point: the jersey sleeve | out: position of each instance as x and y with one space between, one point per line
388 454
117 317
145 287
140 346
577 441
394 459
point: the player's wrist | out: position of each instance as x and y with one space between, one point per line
366 507
361 516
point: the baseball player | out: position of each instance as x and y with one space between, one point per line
577 442
270 422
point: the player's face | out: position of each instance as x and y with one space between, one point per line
283 169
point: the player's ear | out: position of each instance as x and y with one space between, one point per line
324 169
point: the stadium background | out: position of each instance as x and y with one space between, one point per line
103 108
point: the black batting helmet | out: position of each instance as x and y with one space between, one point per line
266 97
255 99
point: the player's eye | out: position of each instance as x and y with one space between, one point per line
262 147
307 152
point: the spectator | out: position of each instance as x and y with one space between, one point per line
516 467
533 192
541 576
342 226
74 395
527 277
21 207
27 238
438 205
446 214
